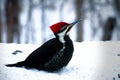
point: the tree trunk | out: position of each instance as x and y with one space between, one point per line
12 13
117 5
108 28
0 31
78 4
28 32
43 21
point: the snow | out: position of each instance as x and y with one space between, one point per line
91 61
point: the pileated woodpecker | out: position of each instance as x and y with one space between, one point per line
54 54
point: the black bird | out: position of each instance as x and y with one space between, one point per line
53 54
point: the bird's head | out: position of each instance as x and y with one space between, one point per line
62 27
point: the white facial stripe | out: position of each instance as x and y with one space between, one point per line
61 36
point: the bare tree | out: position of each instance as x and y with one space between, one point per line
45 5
0 31
79 14
117 5
43 22
12 13
61 8
3 21
28 32
108 28
0 27
117 10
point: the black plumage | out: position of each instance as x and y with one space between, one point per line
54 54
51 56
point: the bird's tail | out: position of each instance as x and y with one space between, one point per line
19 64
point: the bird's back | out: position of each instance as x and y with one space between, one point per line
43 54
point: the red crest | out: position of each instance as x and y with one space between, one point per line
56 27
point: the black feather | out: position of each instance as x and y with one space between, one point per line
51 56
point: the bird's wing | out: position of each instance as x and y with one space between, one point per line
45 52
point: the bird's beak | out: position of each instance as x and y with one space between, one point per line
71 25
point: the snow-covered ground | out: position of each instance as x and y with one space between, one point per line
91 61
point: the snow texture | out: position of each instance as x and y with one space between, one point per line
91 61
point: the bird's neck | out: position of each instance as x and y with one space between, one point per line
62 38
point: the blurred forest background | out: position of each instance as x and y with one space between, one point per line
28 21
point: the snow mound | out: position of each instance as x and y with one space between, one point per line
90 61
